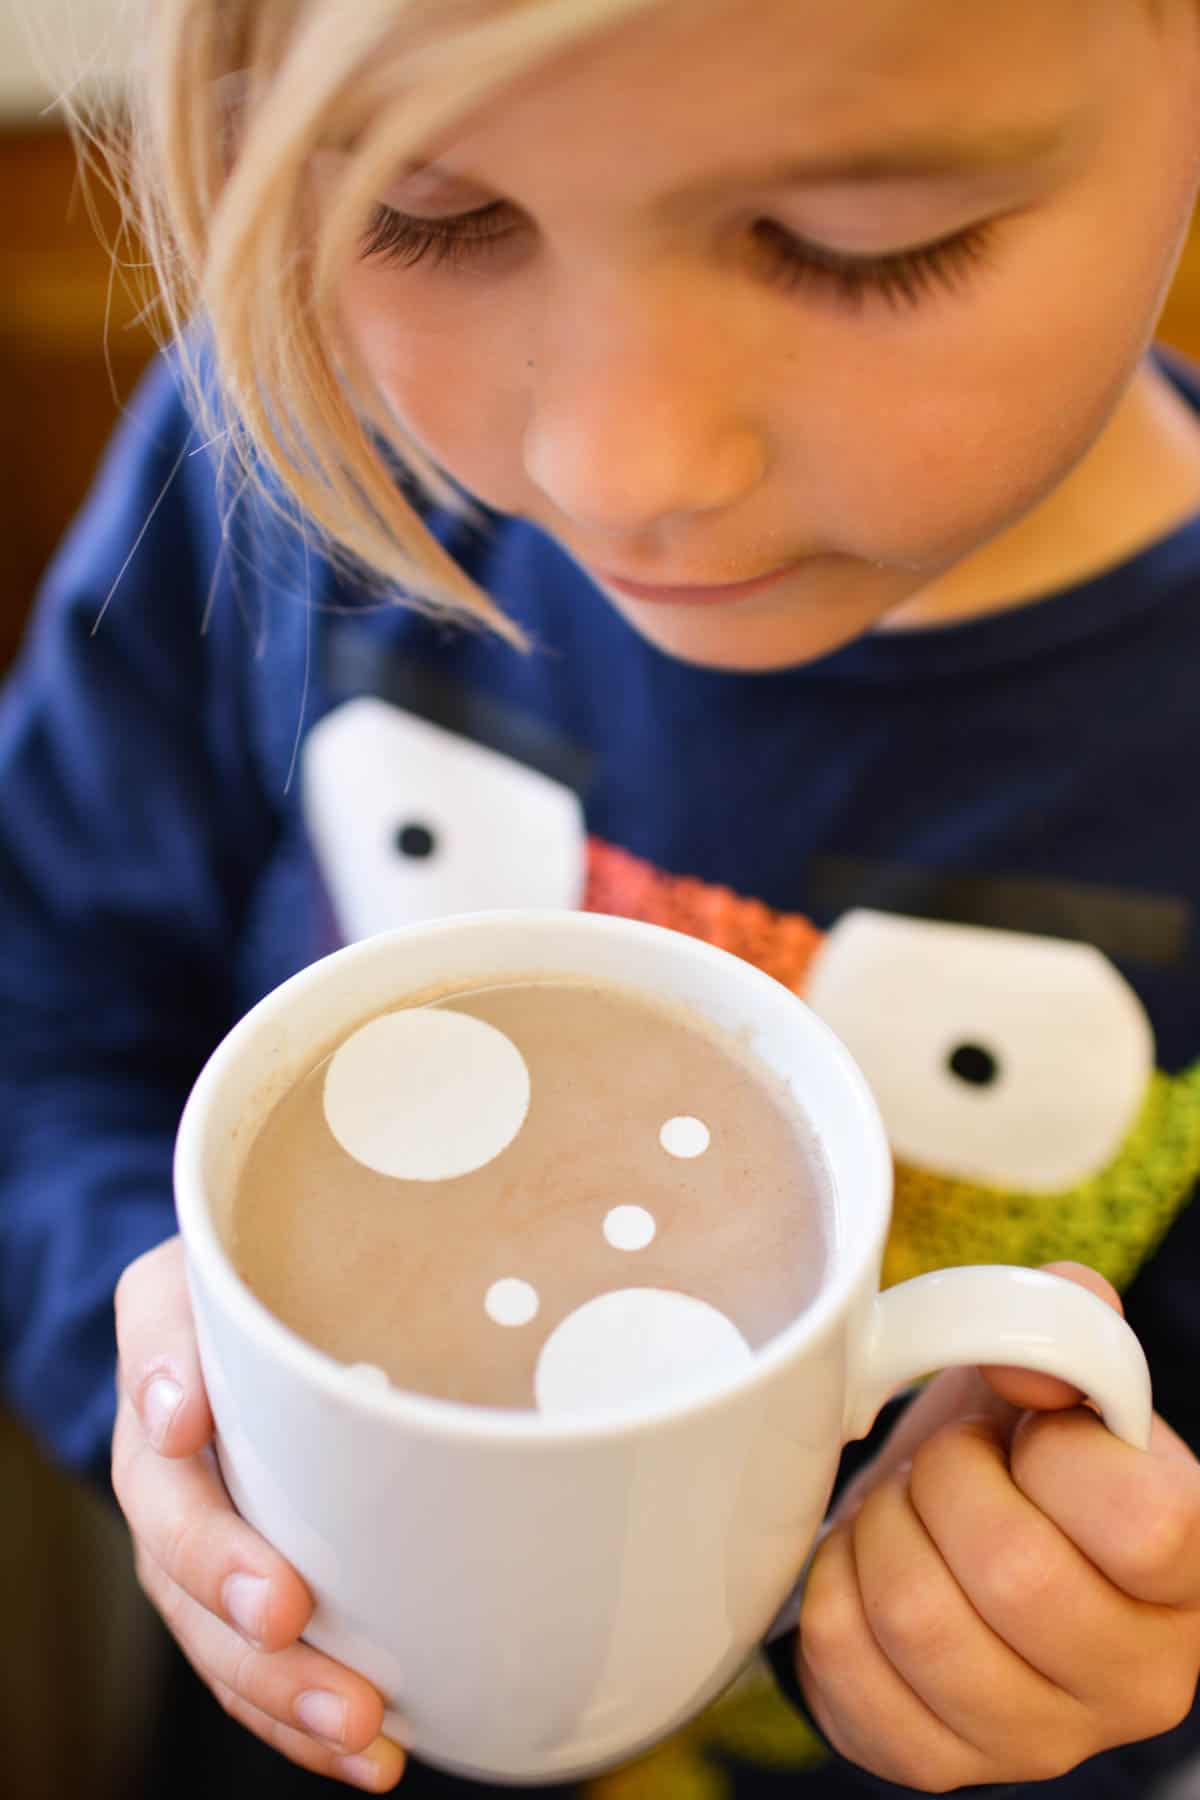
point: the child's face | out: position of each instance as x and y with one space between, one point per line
635 363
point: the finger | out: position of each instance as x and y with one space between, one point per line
954 1394
1137 1515
1025 1579
158 1362
949 1656
182 1519
302 1693
376 1769
1025 1387
864 1707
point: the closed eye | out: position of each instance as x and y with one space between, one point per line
396 237
900 278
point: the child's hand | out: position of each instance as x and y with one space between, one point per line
1005 1594
233 1604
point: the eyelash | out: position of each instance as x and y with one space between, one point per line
903 278
394 237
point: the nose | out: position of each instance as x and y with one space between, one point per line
636 417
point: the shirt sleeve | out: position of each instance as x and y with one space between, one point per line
130 830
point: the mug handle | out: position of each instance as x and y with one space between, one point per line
992 1313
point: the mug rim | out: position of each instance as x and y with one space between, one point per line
850 1256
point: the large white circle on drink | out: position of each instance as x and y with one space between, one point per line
425 1094
634 1349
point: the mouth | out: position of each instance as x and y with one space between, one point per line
692 594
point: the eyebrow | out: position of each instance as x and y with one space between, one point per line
980 153
1001 148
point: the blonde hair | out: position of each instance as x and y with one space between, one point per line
233 101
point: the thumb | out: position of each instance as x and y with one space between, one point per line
158 1360
1046 1393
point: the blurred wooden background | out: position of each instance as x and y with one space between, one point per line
70 352
80 1657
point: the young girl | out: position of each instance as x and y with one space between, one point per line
701 459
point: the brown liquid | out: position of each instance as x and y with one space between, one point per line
396 1272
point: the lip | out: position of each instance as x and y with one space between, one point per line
693 595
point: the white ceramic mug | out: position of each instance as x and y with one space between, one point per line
540 1597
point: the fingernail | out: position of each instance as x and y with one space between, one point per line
160 1403
379 1767
244 1598
322 1713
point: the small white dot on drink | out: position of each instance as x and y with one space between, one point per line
511 1302
685 1137
368 1377
629 1227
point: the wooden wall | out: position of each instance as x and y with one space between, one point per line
81 1657
1181 320
60 384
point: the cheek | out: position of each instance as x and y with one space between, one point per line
458 392
967 463
945 438
976 418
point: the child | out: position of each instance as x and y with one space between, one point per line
774 378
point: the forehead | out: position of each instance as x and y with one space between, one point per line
710 87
